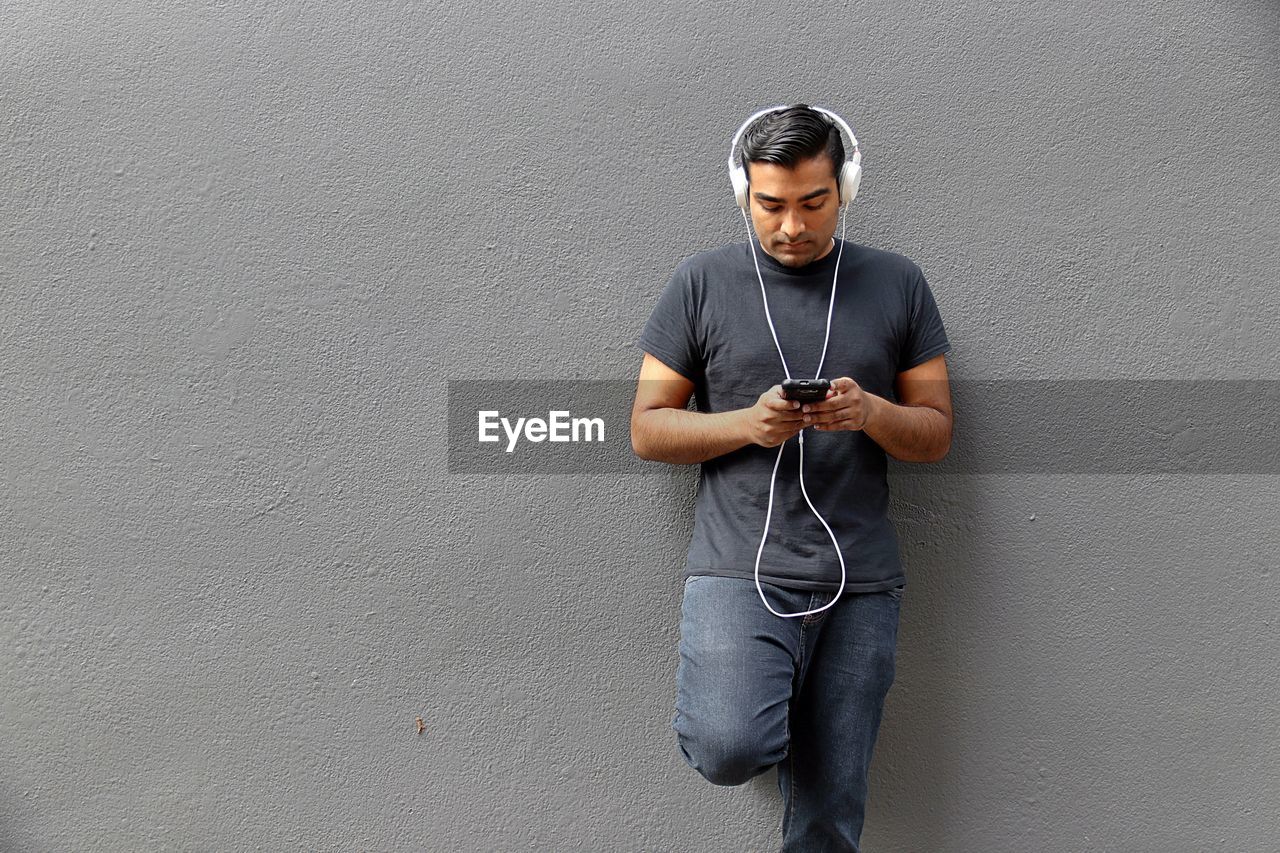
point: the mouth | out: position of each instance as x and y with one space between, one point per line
791 247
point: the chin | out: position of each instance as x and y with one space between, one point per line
794 259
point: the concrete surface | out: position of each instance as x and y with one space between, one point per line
245 247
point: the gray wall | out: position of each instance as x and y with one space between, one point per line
245 248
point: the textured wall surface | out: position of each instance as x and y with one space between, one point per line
244 248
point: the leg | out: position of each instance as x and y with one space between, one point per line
835 721
734 679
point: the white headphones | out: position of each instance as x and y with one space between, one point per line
850 171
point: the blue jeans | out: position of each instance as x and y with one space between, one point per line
754 690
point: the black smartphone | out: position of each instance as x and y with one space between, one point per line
806 390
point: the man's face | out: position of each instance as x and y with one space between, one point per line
795 210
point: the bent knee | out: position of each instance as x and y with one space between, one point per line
731 756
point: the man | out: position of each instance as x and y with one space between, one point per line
755 689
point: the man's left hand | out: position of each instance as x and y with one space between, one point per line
847 407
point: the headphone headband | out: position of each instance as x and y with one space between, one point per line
850 175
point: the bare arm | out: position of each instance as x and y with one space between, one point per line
663 430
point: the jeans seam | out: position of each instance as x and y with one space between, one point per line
791 747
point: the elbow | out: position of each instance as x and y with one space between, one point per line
921 458
943 446
922 454
643 443
941 452
638 445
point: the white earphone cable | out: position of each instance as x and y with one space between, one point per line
800 436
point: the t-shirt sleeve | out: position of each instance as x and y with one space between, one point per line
671 334
925 337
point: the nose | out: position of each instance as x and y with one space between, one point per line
792 225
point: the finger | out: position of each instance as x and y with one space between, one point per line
828 405
843 385
837 397
816 418
832 404
779 404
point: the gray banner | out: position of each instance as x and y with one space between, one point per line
1109 426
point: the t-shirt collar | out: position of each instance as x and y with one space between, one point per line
826 264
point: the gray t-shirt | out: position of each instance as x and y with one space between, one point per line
709 326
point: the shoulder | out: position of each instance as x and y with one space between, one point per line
891 265
711 261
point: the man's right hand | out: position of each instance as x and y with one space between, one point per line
773 419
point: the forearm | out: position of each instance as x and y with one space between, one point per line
908 433
683 437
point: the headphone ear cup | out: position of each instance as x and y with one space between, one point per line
850 179
738 177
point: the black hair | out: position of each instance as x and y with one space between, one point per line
786 137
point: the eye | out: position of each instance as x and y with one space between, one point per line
770 208
817 206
